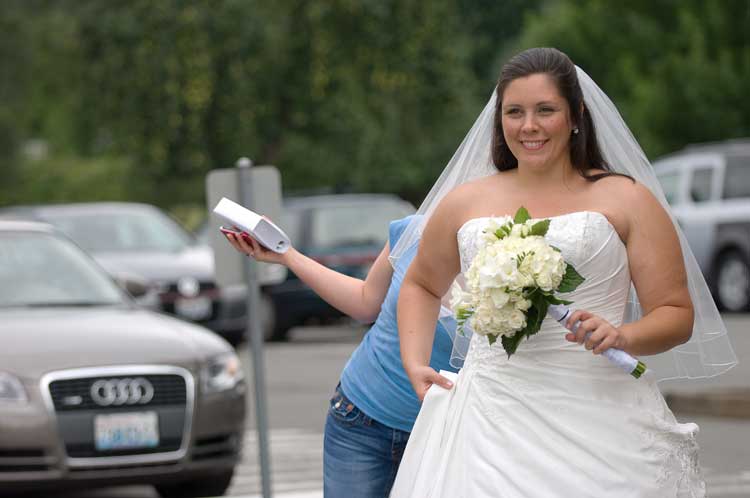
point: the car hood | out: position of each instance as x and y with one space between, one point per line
37 341
195 261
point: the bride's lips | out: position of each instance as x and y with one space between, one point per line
533 144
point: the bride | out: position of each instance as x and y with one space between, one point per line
557 419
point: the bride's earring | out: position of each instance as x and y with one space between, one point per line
575 131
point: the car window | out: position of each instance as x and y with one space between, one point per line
354 225
737 178
122 232
39 269
701 182
670 182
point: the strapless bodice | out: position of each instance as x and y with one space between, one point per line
589 242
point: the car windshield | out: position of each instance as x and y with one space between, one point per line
123 231
40 269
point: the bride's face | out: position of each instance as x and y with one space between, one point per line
536 122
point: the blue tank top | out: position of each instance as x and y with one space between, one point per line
374 378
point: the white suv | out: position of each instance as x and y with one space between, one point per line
708 187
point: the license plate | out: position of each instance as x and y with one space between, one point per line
126 430
196 308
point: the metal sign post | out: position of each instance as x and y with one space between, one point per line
259 189
255 334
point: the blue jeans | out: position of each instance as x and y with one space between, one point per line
360 455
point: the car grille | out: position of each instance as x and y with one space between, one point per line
77 411
168 390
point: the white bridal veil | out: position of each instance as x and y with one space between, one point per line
708 353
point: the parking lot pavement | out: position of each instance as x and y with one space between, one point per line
296 465
297 462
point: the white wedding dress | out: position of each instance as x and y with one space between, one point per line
554 420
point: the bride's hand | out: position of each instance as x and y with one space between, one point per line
246 244
603 336
423 377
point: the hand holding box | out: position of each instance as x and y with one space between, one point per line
261 229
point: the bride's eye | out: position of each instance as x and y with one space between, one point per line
513 112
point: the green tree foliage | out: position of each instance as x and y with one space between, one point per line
358 94
14 73
678 70
369 95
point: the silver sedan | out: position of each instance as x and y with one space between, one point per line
97 391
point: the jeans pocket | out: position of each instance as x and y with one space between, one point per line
342 409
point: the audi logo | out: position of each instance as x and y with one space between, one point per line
119 392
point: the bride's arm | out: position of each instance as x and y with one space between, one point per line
657 269
658 274
429 277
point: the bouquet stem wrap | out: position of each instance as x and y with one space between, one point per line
619 357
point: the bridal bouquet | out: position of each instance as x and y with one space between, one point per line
512 281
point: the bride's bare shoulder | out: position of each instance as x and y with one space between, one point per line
461 201
621 187
484 184
464 196
627 201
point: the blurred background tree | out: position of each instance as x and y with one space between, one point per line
678 70
138 100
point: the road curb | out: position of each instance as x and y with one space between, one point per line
733 403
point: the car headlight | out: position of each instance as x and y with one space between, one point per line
222 372
11 389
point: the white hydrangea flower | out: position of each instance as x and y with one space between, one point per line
544 264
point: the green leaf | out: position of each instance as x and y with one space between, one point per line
492 338
499 233
571 280
537 312
540 228
534 318
511 343
522 216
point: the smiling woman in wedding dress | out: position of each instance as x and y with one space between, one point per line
556 419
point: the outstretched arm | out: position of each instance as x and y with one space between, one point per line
428 279
360 299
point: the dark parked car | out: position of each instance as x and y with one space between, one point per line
345 232
97 391
139 240
708 188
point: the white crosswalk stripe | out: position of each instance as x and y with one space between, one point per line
296 465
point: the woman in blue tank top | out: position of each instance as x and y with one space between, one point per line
374 407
